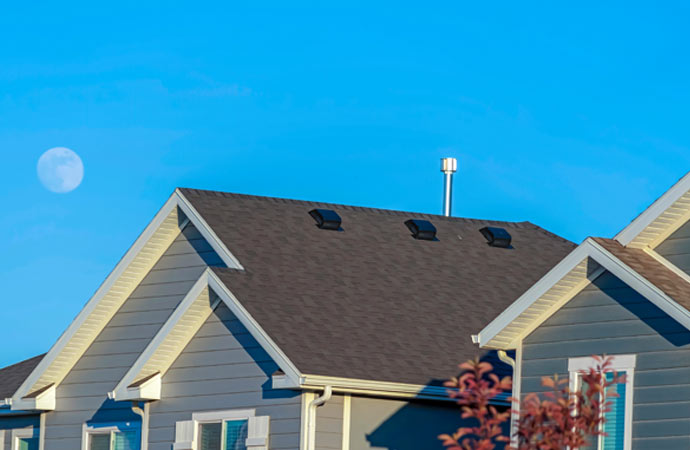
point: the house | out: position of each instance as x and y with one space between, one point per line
246 322
628 297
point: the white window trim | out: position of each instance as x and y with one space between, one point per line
619 363
24 433
186 432
108 428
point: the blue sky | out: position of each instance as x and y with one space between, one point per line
574 118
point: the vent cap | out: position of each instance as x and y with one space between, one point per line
326 219
421 229
497 237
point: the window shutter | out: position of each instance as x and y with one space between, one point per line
258 433
185 435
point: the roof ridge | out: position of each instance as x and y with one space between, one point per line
515 224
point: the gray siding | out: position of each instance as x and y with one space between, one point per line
608 317
223 367
329 424
677 248
82 396
7 424
400 425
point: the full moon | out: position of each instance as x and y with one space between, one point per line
60 170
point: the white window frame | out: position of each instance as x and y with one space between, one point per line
23 433
187 432
619 363
108 428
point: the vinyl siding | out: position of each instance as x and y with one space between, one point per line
677 248
608 317
223 367
82 396
401 425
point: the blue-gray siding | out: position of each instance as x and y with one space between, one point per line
677 248
608 317
224 367
401 425
82 396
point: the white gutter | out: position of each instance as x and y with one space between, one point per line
311 420
144 414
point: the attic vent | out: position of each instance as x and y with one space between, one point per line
422 229
326 219
496 237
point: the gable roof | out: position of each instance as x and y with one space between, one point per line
371 302
120 283
11 377
643 271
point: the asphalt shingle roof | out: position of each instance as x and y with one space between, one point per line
371 302
650 269
11 377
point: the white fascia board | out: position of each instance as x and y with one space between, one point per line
533 294
363 387
122 390
589 248
641 222
280 358
76 324
207 232
147 391
45 401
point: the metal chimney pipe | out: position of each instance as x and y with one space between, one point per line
448 167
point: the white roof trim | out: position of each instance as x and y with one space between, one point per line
181 327
252 326
207 232
125 277
170 340
365 387
662 218
588 249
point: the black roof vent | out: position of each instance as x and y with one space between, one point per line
422 229
326 219
496 237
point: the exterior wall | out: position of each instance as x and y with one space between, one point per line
608 317
329 424
400 425
677 248
223 368
7 424
82 396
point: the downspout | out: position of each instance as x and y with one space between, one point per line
144 414
42 432
503 356
311 423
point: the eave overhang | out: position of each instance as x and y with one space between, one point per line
561 284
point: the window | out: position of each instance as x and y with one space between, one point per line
25 439
123 436
225 435
223 430
618 424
